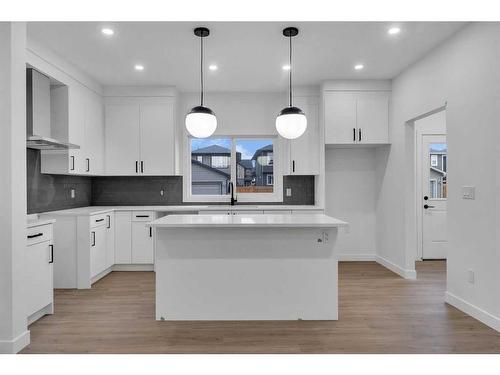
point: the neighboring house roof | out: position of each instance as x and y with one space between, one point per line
213 149
438 171
261 150
246 163
209 168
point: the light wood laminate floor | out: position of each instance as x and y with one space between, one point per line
379 313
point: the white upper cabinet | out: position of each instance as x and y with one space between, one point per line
157 137
139 136
122 134
304 151
356 117
94 134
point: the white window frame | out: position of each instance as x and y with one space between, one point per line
434 160
275 196
267 180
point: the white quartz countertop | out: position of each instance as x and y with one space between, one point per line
251 221
94 210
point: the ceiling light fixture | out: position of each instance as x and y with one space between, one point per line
393 30
139 67
291 122
201 121
213 67
359 67
107 31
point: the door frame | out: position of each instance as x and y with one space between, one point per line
418 133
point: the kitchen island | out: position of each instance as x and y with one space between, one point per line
246 267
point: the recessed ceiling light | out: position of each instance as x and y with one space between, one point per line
286 67
394 30
139 67
213 67
107 31
359 66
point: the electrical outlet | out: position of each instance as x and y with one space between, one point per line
72 193
162 192
288 192
468 192
470 276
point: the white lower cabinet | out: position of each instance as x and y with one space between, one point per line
142 243
123 237
39 273
97 250
110 239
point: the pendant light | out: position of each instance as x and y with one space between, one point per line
291 122
201 121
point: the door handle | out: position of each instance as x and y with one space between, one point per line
150 232
72 163
51 254
136 166
35 235
426 206
359 133
142 166
93 238
293 166
109 221
88 164
354 134
99 220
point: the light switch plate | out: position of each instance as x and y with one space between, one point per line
470 276
288 192
72 193
468 192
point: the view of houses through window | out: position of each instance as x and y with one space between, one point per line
212 168
438 169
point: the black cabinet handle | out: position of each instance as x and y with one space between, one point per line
142 166
35 235
150 232
359 138
51 254
109 221
72 163
99 220
426 206
88 164
93 238
354 134
293 166
136 166
141 215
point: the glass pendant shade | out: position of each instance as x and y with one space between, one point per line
291 123
201 122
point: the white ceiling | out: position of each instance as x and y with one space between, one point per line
250 55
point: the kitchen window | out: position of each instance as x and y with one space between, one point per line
248 162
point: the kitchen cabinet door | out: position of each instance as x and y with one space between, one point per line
123 237
304 151
373 117
110 239
76 128
157 137
340 117
122 137
39 276
94 134
97 250
142 243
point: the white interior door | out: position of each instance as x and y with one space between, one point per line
435 192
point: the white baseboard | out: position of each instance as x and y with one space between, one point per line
405 273
474 311
356 257
133 267
16 345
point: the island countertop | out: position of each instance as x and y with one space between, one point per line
251 221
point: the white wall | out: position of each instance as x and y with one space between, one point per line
13 331
462 72
351 195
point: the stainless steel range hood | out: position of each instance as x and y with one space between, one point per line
38 114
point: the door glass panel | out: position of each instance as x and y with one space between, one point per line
438 170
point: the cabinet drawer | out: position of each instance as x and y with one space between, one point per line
143 215
39 234
98 220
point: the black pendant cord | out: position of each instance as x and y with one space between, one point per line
201 71
290 63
